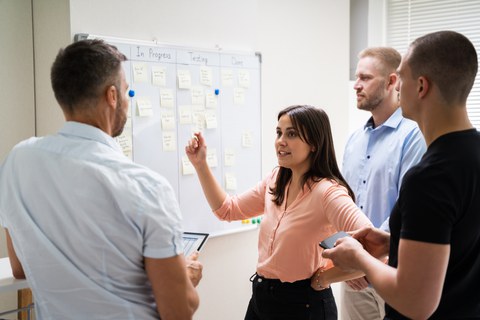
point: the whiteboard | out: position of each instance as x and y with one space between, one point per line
179 90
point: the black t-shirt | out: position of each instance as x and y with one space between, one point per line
439 202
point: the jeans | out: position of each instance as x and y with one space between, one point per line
275 300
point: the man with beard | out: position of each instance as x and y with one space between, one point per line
96 235
375 160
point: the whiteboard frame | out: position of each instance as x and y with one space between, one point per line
217 228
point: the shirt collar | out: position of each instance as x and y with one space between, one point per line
393 121
86 131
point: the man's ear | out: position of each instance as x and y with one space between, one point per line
392 80
422 86
111 96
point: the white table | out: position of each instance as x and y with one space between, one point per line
7 281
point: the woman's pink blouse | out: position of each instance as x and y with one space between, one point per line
289 238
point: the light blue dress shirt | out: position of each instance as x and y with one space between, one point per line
82 218
375 161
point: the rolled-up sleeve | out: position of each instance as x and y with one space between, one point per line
246 205
341 211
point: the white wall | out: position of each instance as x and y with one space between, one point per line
305 50
17 120
51 31
17 116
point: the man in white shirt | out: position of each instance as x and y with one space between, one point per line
96 235
376 158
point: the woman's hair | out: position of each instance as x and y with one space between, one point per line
313 128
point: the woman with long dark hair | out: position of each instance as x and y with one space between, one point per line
303 201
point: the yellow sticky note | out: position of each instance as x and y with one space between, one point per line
198 96
168 121
210 119
140 72
166 98
247 139
184 79
169 141
230 181
229 157
159 76
187 167
198 117
212 159
238 96
206 76
244 78
227 77
125 140
211 100
185 114
144 107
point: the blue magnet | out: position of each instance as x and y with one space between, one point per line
131 93
217 91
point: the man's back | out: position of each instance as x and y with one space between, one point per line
92 216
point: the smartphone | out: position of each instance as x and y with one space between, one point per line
329 243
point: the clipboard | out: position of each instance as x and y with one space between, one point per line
193 241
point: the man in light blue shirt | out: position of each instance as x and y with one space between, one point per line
96 235
375 160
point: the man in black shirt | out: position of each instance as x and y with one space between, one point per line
434 246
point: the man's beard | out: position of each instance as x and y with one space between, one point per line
120 120
371 103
